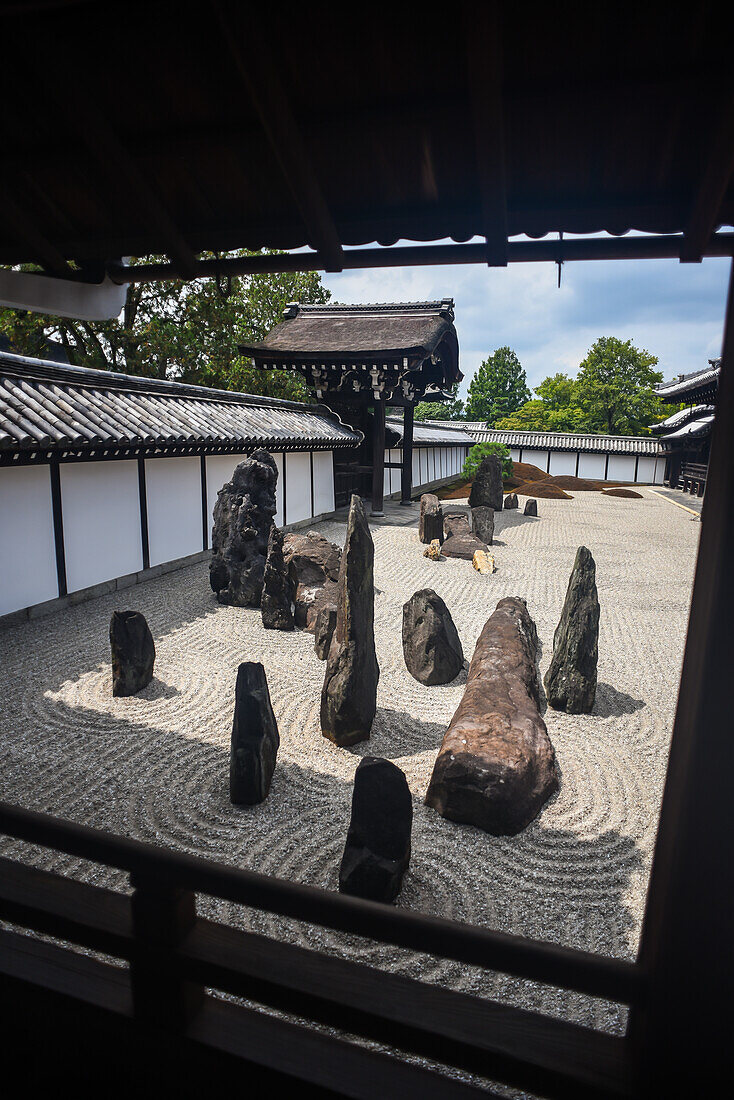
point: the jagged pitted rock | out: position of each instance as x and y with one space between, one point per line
243 516
510 501
133 652
255 739
430 523
431 645
276 604
324 631
531 507
482 522
487 485
433 551
313 563
349 694
483 562
570 682
460 542
496 766
377 850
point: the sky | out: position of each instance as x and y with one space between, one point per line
673 310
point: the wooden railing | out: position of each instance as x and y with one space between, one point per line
692 478
175 956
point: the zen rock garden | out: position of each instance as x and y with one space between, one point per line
495 768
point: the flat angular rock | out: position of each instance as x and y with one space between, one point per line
324 631
430 523
482 523
486 488
349 694
496 766
431 645
460 542
255 739
133 652
531 507
377 850
433 551
510 501
456 523
313 563
483 563
570 682
276 604
243 516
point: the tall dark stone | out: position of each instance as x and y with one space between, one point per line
313 563
531 507
430 522
486 488
133 652
243 516
482 522
255 739
570 682
431 644
276 604
496 766
377 850
349 694
324 632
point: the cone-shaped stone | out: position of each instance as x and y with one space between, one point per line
570 682
431 645
349 694
133 652
531 507
255 739
482 523
430 522
276 604
243 516
486 488
377 850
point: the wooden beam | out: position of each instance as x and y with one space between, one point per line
259 75
406 478
484 69
21 226
717 174
378 458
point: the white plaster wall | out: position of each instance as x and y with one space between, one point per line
323 482
27 553
386 475
592 466
416 478
101 510
297 486
396 455
646 472
563 462
535 458
173 491
515 454
621 468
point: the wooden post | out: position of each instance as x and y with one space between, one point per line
378 458
161 917
682 1032
406 474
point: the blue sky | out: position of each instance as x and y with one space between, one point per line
673 310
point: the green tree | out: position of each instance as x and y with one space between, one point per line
480 451
498 388
441 410
615 388
556 409
187 332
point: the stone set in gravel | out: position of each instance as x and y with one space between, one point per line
133 652
459 542
349 694
531 507
243 516
510 501
313 563
482 523
377 850
430 522
486 488
324 632
276 604
431 645
255 739
570 682
496 766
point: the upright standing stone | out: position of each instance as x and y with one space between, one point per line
482 523
349 694
430 523
431 644
510 501
133 652
243 516
531 507
324 632
276 604
487 485
377 850
496 766
255 739
570 682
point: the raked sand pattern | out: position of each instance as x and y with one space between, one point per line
155 766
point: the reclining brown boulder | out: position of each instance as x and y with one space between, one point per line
496 766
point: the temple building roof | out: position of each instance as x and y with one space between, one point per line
700 386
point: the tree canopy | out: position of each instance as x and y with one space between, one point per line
187 332
498 389
441 410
